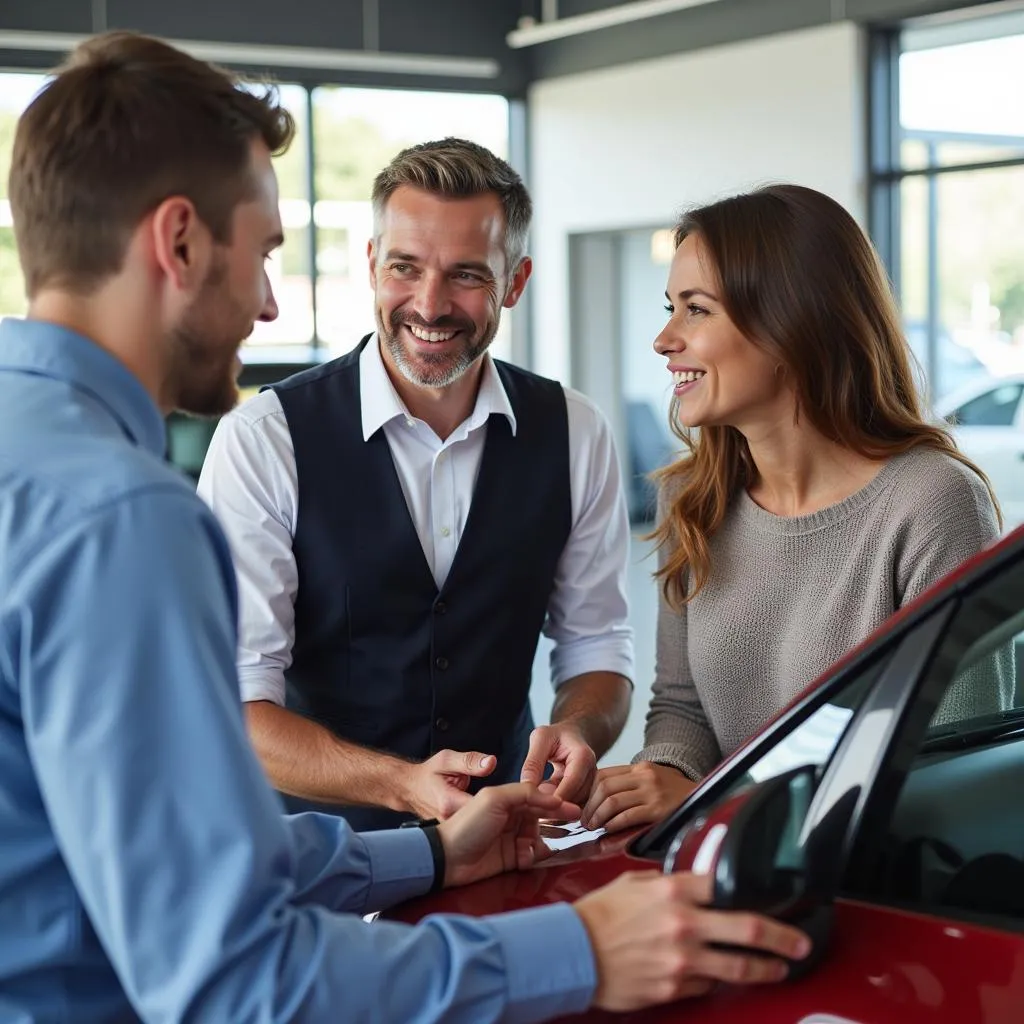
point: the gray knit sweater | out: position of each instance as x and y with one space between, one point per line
788 596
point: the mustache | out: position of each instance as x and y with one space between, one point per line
441 323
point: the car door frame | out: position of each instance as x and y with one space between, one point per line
923 700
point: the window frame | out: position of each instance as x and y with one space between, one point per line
259 369
886 175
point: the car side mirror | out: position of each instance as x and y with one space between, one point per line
750 844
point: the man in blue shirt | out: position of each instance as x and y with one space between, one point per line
146 871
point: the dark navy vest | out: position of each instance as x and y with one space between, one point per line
381 657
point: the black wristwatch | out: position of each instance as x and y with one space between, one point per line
429 826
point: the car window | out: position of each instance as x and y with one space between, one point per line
954 843
995 408
809 735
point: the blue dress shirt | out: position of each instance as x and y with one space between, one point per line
146 870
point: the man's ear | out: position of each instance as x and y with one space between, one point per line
182 243
518 282
371 255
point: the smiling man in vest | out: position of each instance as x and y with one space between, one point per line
407 519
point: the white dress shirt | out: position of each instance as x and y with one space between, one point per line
249 480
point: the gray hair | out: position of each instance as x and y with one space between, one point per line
459 169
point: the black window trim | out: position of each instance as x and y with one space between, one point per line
856 766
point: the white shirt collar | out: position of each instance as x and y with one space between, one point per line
380 402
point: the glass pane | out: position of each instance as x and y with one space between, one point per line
960 151
16 92
981 270
934 150
971 90
644 258
816 737
913 154
914 272
289 267
357 132
978 270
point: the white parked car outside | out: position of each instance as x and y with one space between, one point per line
988 423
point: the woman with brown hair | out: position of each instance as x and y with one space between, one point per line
814 500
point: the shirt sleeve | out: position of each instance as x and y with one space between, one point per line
588 611
210 904
249 481
677 732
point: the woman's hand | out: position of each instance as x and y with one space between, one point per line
635 794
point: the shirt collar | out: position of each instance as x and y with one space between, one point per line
380 402
49 350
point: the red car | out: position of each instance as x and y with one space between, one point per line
882 811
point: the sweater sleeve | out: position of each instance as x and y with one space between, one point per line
959 521
677 732
956 521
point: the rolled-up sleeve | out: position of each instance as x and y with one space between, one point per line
210 904
588 610
249 481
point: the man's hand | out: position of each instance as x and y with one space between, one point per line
635 794
574 763
652 941
436 788
497 830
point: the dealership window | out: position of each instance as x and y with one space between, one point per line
344 136
16 92
290 336
356 132
948 172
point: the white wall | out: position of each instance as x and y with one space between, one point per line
631 146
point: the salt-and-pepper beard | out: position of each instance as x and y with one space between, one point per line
450 367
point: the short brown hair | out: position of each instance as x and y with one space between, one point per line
459 169
127 122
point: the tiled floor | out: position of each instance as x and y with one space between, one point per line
643 599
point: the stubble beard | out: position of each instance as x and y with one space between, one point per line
205 352
435 369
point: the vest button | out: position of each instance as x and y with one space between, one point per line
440 607
441 663
441 725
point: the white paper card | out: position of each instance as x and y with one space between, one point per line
573 834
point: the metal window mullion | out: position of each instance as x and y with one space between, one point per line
899 174
522 334
311 193
932 314
884 215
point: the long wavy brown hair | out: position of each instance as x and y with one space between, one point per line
799 279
